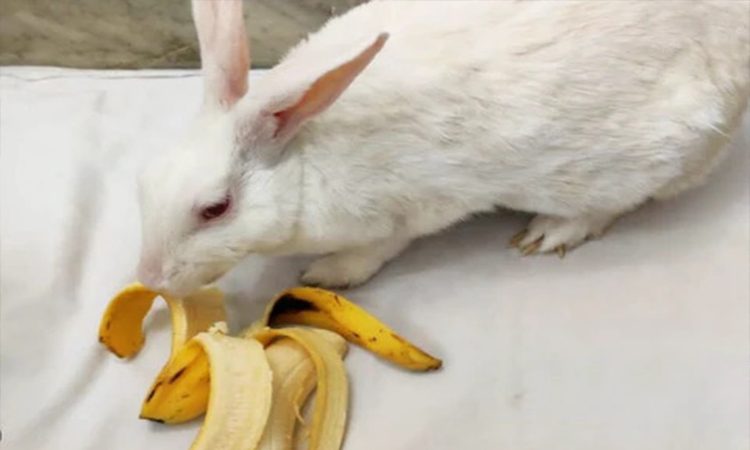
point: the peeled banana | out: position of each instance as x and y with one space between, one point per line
252 386
300 357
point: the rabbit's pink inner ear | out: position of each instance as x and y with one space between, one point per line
326 89
225 53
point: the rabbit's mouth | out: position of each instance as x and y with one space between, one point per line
182 283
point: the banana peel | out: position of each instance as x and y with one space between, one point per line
181 391
324 309
121 330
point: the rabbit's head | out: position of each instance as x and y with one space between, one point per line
231 187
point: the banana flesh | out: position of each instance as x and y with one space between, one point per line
241 392
330 311
332 397
294 379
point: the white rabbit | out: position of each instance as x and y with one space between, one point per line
401 118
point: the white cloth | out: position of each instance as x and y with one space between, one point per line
636 341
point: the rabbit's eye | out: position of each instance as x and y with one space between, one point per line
216 210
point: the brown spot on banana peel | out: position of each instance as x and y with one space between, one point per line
177 375
153 392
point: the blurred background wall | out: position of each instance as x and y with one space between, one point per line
139 34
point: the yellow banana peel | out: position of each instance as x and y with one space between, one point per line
324 309
181 390
121 330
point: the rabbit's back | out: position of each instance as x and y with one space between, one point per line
451 36
553 107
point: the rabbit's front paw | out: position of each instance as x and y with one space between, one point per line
353 267
548 233
340 270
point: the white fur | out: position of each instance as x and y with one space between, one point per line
568 109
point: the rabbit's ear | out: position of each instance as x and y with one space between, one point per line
225 54
315 97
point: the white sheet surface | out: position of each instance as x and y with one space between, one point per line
639 341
